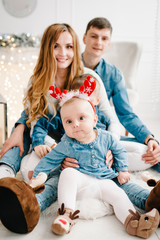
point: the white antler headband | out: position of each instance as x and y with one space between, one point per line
84 91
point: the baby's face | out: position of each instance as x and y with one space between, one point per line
78 119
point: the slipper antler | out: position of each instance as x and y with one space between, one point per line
61 210
74 215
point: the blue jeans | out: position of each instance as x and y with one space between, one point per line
132 139
137 194
12 157
49 195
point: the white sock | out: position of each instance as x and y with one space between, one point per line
6 171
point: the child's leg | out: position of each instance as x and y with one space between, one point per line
115 196
136 225
135 151
70 183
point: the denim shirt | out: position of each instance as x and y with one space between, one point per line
54 128
115 87
22 119
51 126
90 156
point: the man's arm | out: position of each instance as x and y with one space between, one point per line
126 116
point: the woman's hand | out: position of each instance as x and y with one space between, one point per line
69 162
16 139
152 155
42 150
109 159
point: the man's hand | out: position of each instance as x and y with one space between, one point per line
42 150
152 155
69 162
109 159
15 140
123 177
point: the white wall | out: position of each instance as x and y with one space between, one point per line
132 20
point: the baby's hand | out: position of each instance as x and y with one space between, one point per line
42 150
123 177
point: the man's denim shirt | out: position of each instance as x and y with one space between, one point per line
90 156
115 87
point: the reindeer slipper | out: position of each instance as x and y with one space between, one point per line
64 222
153 200
19 209
142 225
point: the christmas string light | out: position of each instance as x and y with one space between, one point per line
16 68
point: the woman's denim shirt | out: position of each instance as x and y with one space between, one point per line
91 156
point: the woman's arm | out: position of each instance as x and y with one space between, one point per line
16 139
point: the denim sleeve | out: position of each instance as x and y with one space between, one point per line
22 119
49 125
128 119
103 121
119 155
52 160
40 130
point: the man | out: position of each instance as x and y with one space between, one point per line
97 40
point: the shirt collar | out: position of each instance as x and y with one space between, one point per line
99 65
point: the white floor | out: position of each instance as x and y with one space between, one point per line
104 228
107 227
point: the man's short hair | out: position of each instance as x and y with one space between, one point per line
99 22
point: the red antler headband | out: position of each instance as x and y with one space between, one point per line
84 91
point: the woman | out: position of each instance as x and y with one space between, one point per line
58 63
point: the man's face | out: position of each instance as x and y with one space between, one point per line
97 41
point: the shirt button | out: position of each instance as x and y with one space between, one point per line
91 146
93 156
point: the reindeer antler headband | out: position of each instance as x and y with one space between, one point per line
84 91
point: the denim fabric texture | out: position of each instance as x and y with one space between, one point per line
91 156
12 157
51 126
49 195
22 120
137 194
115 87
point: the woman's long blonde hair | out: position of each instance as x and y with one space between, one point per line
35 101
